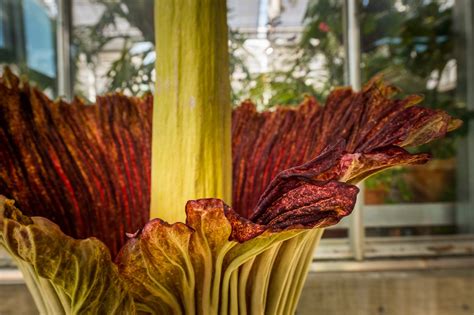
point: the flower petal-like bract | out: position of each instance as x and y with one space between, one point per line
75 276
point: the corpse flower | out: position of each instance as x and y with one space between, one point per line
81 175
83 178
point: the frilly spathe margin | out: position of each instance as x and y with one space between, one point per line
87 168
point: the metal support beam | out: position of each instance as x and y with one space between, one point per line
393 265
63 40
352 45
464 27
352 49
398 248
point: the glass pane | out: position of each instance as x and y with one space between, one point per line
291 48
413 44
113 47
2 27
40 54
28 40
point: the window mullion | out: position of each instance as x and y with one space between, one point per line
353 52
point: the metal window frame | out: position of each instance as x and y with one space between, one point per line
464 26
353 78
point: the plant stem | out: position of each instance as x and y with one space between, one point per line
191 141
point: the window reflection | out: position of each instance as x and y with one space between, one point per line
38 32
113 47
27 40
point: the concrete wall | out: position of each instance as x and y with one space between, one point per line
440 292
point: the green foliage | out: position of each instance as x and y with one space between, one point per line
323 35
391 180
131 72
276 88
410 42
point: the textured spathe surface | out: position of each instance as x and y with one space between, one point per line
252 259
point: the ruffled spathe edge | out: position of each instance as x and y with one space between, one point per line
163 267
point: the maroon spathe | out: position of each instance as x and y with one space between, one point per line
87 167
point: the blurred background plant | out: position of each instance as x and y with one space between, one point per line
411 44
132 71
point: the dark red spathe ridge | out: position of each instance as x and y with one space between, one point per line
370 122
87 168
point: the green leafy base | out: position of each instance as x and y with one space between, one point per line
190 268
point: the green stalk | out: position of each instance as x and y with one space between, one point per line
47 299
191 141
244 273
260 279
281 271
304 262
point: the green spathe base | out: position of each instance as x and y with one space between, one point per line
166 269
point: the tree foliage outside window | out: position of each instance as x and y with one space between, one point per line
131 72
